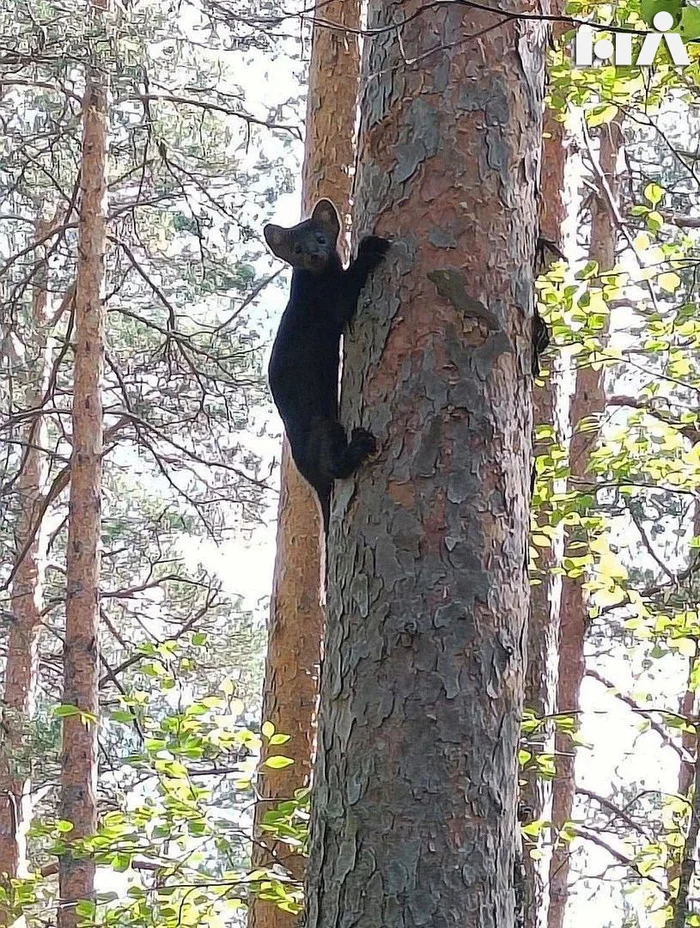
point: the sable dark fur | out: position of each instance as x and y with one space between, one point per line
305 362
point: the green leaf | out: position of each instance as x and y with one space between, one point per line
66 712
654 221
649 8
689 26
227 686
590 270
669 281
121 862
280 739
653 192
600 115
278 762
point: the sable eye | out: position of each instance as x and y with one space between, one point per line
298 249
321 239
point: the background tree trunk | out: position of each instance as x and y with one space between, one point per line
543 621
81 649
559 205
290 692
413 813
587 401
26 596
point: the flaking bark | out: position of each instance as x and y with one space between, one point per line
413 816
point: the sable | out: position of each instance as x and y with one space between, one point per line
305 361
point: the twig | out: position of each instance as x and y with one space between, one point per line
646 713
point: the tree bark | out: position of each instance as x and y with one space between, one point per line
587 401
81 648
290 690
558 213
25 598
687 708
413 812
543 621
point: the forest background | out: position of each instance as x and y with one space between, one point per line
142 149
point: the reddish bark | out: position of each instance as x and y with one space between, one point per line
413 813
588 401
81 648
290 693
26 596
543 620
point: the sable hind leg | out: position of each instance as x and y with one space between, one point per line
339 458
361 446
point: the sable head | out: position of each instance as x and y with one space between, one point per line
309 245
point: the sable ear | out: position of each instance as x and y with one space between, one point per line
326 215
278 240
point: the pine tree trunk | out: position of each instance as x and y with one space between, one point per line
290 692
587 401
558 214
413 813
26 597
81 649
543 621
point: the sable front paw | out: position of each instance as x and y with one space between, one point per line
373 248
363 443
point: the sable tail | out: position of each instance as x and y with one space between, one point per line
325 501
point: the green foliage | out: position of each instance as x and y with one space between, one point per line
631 520
177 845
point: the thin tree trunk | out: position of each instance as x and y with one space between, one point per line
81 648
290 693
414 797
689 740
587 401
686 873
25 598
559 207
543 622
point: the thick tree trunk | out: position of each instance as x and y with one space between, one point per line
26 597
587 401
81 649
290 693
413 819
